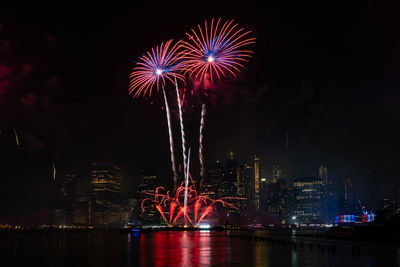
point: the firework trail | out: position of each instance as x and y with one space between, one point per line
182 128
16 137
54 171
201 148
215 50
185 200
171 140
156 67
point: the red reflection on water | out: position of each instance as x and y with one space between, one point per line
178 249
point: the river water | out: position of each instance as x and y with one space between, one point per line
193 248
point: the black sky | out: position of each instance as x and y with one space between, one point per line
325 73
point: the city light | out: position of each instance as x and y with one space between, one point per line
204 226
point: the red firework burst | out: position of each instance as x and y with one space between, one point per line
156 66
199 207
215 50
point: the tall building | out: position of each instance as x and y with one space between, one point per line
66 196
106 197
276 173
229 184
248 176
274 202
257 182
371 182
323 173
308 195
147 183
215 176
80 208
352 203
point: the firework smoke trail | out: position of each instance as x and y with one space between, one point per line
182 129
156 67
186 185
171 140
16 137
201 148
54 171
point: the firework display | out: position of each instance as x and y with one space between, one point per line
171 139
197 209
155 68
201 148
216 50
212 51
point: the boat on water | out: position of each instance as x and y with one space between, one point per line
131 229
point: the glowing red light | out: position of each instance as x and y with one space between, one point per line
199 207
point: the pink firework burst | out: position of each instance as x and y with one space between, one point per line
155 67
215 50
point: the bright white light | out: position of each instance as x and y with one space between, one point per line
210 59
159 71
204 226
294 218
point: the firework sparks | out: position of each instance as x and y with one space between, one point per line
171 139
201 148
182 128
197 207
215 51
54 171
16 137
154 68
186 185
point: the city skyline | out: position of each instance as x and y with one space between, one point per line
213 133
284 100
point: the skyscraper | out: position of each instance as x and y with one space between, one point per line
66 197
323 173
248 176
257 182
147 183
230 176
276 173
106 197
308 200
352 204
80 208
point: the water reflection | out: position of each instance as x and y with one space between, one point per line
175 249
192 248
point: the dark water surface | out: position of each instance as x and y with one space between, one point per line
199 248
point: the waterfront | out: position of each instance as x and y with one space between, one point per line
195 248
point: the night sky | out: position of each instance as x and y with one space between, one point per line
325 73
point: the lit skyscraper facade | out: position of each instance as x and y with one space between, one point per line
66 196
106 197
323 173
308 199
80 209
147 183
257 182
276 173
249 192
